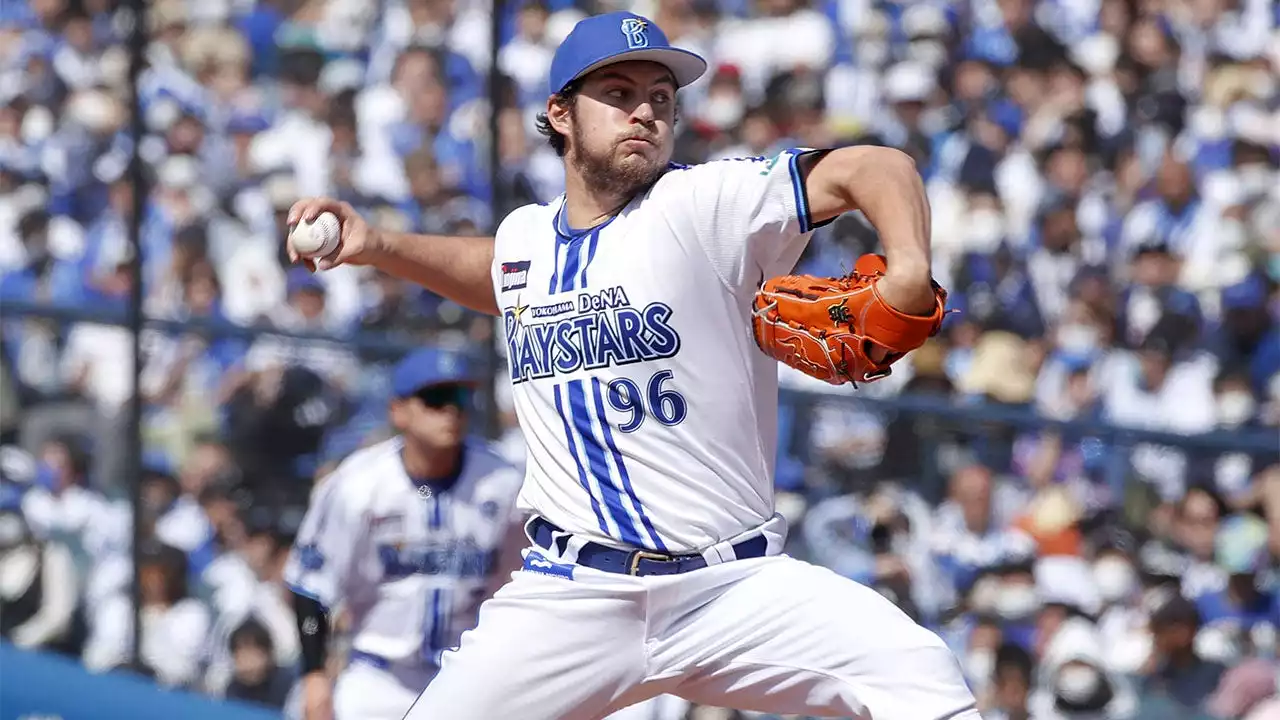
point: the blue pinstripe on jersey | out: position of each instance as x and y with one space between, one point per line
572 257
434 520
572 275
554 286
591 255
622 467
582 472
600 466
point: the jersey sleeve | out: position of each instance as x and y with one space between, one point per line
504 237
750 215
321 560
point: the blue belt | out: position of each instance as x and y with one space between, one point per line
636 562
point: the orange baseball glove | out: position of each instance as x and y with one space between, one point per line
829 328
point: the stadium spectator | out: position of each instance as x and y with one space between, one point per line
39 590
971 529
175 625
1176 670
257 677
1011 683
61 504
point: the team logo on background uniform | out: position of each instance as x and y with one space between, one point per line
637 32
310 557
515 275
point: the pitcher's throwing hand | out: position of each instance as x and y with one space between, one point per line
360 243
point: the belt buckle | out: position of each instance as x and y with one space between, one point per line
633 566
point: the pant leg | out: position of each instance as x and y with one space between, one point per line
545 647
364 692
788 637
662 707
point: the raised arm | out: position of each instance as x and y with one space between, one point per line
883 183
453 267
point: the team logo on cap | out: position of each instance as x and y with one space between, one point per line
636 32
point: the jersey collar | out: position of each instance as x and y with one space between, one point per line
446 482
565 231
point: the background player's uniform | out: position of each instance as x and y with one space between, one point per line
408 562
650 421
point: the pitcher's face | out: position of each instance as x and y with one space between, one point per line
622 126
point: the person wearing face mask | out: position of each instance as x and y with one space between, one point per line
977 637
723 106
1253 168
1115 578
1019 604
1235 405
1081 691
1121 622
1240 617
1237 410
1074 681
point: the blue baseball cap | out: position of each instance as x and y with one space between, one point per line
427 367
617 37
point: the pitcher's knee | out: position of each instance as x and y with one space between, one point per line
924 682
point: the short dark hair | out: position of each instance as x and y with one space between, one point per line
252 633
566 97
437 57
1015 658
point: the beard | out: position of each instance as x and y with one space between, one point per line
612 174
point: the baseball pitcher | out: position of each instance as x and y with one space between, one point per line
643 313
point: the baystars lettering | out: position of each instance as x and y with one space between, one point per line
604 329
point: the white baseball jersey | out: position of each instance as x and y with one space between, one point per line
629 346
409 563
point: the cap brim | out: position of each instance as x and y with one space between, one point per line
686 66
470 382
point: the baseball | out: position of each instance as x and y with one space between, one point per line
318 238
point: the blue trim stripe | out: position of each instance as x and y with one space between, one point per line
446 623
572 257
622 468
433 640
572 275
582 472
591 255
436 518
429 645
797 187
599 465
554 286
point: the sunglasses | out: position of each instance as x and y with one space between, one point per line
442 396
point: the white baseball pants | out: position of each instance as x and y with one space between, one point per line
770 634
365 692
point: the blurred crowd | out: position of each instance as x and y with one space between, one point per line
1106 215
